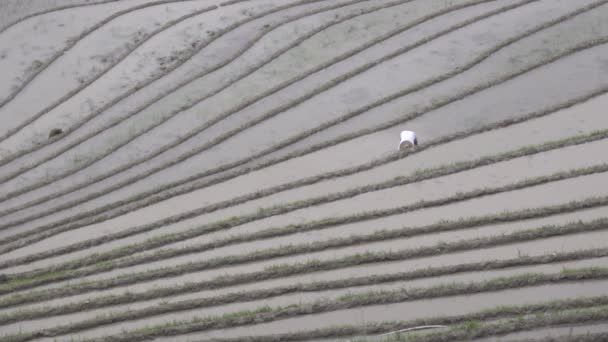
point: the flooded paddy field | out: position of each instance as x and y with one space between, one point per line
212 170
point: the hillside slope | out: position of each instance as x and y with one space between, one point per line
194 170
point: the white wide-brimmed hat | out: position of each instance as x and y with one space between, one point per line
408 140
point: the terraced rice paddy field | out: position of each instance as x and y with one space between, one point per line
195 170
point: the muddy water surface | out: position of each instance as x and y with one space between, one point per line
378 28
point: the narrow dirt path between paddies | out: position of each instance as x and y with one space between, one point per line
583 118
187 148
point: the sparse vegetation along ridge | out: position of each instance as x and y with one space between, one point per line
239 107
179 86
462 321
71 43
297 269
228 260
584 337
56 228
281 231
267 314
